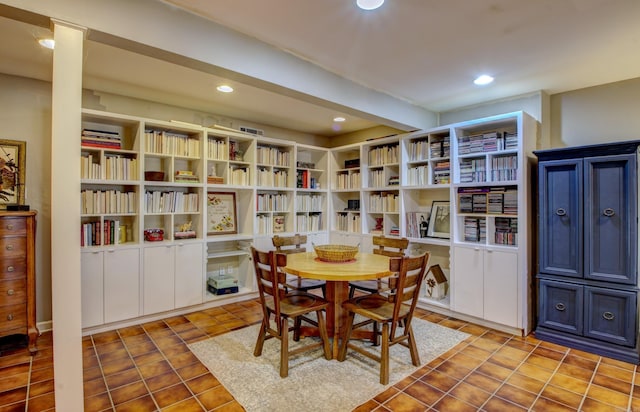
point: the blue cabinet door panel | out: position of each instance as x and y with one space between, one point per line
560 220
610 218
611 315
561 306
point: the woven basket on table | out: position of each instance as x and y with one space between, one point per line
336 253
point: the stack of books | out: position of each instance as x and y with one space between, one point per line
101 139
186 176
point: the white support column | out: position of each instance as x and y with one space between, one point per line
65 212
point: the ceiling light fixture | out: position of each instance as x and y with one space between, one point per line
224 88
369 4
48 43
483 80
339 119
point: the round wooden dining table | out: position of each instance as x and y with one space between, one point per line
365 266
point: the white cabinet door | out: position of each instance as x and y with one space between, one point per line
468 283
121 284
189 279
501 287
158 280
92 289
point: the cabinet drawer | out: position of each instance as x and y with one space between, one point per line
13 317
610 315
561 306
13 226
13 268
13 246
13 292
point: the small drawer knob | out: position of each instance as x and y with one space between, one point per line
9 247
10 292
10 226
11 269
608 315
560 306
10 316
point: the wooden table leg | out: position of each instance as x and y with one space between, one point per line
337 292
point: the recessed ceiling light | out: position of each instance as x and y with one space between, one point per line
339 119
48 43
483 80
224 88
369 4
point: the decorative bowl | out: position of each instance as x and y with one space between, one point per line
154 176
335 253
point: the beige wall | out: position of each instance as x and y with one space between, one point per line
599 114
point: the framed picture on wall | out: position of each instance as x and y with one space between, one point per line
221 213
439 221
12 172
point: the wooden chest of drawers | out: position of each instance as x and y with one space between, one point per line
17 276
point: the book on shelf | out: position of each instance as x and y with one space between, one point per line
278 224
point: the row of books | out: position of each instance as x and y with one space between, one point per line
309 223
495 200
95 202
309 203
272 202
377 178
170 202
217 149
272 178
268 155
348 222
384 202
102 139
171 143
239 176
475 229
97 234
345 180
487 142
270 224
382 155
440 148
473 170
304 180
506 231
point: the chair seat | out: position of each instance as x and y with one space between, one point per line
298 303
371 286
295 282
375 307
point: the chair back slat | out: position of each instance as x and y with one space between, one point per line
397 245
271 280
289 244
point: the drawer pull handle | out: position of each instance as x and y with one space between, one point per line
9 247
561 212
561 307
10 316
11 269
608 315
10 292
10 227
608 212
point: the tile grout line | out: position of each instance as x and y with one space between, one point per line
539 395
104 379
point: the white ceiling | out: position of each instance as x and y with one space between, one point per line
425 52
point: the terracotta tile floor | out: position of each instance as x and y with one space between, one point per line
149 367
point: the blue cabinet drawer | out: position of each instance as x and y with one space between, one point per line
561 306
610 315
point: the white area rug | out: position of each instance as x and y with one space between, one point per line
314 383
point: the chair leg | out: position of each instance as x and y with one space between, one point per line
384 355
324 291
261 337
322 327
342 353
352 291
284 348
415 356
297 323
375 339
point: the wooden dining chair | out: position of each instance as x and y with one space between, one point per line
293 244
284 307
393 311
387 246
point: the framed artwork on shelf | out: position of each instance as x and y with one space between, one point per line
221 213
12 172
439 220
